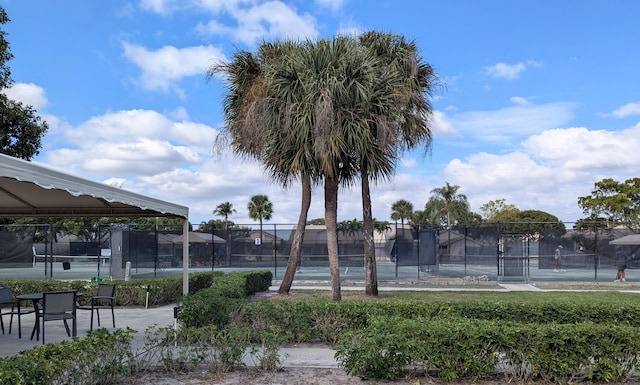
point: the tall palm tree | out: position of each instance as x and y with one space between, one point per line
255 127
446 203
399 113
260 208
400 210
328 110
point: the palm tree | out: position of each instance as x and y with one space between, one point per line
399 112
254 127
224 210
400 210
260 208
328 111
447 203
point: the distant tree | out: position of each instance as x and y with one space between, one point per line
591 224
92 229
350 227
618 203
530 222
421 217
316 221
213 225
447 206
492 211
224 210
260 208
400 210
21 129
473 218
381 226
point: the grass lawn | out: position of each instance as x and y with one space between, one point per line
569 297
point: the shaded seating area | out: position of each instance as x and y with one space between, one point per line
105 298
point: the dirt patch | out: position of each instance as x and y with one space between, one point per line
287 376
306 376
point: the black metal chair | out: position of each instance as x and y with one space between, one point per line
105 298
59 306
8 301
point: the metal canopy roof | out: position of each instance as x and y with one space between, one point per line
28 189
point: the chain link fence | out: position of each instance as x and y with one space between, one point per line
506 252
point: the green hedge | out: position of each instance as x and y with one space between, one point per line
162 291
228 294
553 341
458 348
100 358
324 320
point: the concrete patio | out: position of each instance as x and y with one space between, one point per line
136 318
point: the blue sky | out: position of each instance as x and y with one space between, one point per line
541 97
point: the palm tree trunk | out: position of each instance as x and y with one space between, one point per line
261 246
370 269
227 257
331 222
298 238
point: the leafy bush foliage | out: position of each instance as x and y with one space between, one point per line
162 291
227 295
100 358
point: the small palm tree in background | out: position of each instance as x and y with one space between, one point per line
447 204
260 208
401 210
225 209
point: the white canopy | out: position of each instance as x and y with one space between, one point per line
31 190
633 239
28 189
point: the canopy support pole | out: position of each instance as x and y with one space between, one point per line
185 257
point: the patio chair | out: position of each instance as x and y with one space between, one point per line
59 306
105 298
9 302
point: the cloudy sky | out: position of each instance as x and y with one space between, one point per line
542 97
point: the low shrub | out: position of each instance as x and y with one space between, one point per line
100 358
457 348
161 291
227 295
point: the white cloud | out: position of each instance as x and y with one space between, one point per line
331 4
262 21
408 163
551 170
520 101
163 7
517 178
505 124
164 68
580 149
441 126
131 142
28 94
627 109
510 71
